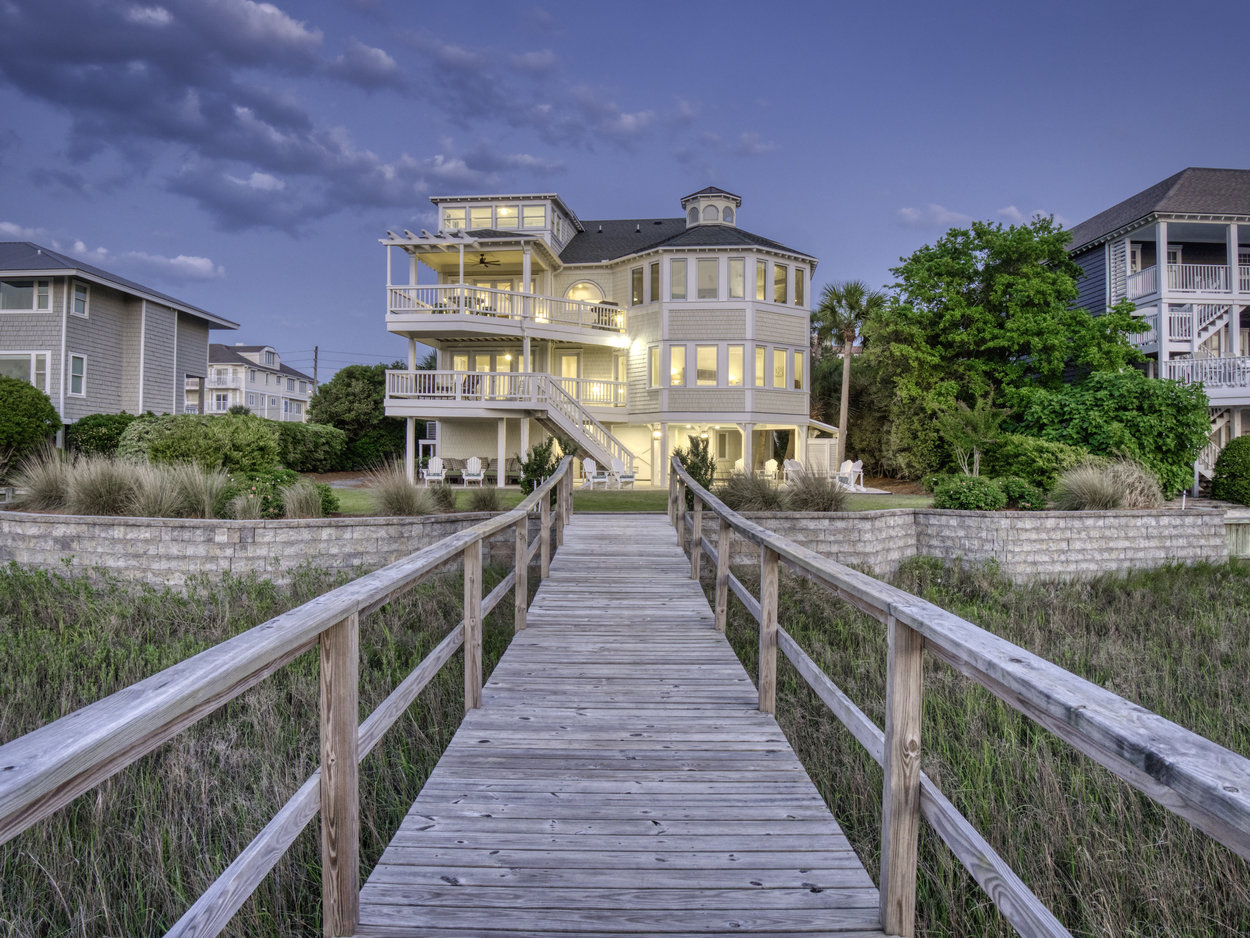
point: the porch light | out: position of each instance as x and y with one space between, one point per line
655 434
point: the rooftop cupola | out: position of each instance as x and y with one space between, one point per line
711 206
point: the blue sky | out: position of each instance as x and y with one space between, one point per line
246 156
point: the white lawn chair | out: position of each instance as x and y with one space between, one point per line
592 475
473 471
844 473
434 471
857 474
620 475
770 470
739 466
793 470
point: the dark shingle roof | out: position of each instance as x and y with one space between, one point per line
1192 191
712 190
608 239
25 255
219 354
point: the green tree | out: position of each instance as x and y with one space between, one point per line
969 430
353 401
841 313
27 418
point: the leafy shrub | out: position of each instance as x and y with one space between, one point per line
99 485
203 491
329 499
1038 462
539 465
261 489
301 500
1232 472
236 443
156 493
698 461
98 434
485 498
442 496
817 493
43 478
393 494
931 482
374 446
143 430
27 418
970 493
310 447
746 491
1022 494
1120 484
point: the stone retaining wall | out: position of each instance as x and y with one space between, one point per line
165 552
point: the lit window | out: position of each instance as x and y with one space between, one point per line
653 365
727 216
677 366
586 291
798 371
460 362
506 216
677 279
82 293
780 274
533 216
453 218
480 217
705 365
735 366
711 213
737 278
759 366
779 368
693 215
77 375
799 299
635 286
655 282
707 270
761 279
26 366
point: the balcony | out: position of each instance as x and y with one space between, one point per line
1226 380
470 390
461 310
1186 278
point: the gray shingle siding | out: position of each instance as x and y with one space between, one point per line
1092 286
160 382
99 338
192 354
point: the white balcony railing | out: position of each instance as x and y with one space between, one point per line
1180 327
1150 336
1142 283
466 300
508 386
1211 372
1198 278
1244 278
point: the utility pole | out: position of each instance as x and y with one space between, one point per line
315 348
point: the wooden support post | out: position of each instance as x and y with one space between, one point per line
561 510
722 575
340 785
900 805
768 630
672 499
473 626
520 590
696 539
544 537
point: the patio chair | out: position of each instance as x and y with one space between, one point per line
473 471
434 471
857 474
592 475
770 470
844 473
620 475
793 470
740 466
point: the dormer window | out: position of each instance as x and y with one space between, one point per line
270 358
453 219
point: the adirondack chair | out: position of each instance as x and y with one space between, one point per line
434 471
620 475
592 475
857 474
473 471
793 470
739 466
770 469
844 473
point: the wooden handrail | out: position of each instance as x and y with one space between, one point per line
50 766
1190 775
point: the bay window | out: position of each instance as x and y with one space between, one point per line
705 371
780 274
707 270
779 368
759 366
761 279
737 278
677 279
677 366
735 366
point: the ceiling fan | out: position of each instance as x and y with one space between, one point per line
483 262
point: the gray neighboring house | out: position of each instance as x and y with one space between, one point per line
95 342
1196 303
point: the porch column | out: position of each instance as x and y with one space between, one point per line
410 448
525 268
800 444
525 437
461 277
663 473
1231 347
526 363
412 267
748 454
412 354
501 452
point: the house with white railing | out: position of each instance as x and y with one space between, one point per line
1180 251
626 336
255 377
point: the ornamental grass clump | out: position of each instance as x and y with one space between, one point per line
203 491
43 479
817 493
301 500
100 485
442 496
156 493
485 498
750 492
393 494
1119 484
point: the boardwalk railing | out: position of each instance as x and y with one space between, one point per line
1206 784
49 767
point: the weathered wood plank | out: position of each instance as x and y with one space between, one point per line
340 787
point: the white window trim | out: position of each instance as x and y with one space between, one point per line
73 295
47 365
34 297
69 376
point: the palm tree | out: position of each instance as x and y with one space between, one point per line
842 310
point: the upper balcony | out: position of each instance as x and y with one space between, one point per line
1225 380
1188 279
460 310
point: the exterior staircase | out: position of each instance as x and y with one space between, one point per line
1210 318
564 416
1221 430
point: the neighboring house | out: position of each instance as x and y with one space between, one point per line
626 335
252 376
95 342
1195 302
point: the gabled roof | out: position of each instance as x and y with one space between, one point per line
612 238
26 257
1192 191
219 354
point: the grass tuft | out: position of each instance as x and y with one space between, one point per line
101 485
442 496
203 490
393 494
817 493
485 498
156 493
747 491
43 478
1094 487
301 500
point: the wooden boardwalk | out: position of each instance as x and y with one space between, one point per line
618 778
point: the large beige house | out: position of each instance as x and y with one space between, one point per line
252 376
627 336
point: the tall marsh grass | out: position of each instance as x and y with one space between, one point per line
129 857
393 494
1105 859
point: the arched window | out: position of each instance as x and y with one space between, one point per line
710 213
693 215
727 216
586 291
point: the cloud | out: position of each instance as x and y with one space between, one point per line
932 216
751 144
181 269
13 231
149 16
538 63
367 67
1013 215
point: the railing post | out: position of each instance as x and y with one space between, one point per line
900 801
722 575
473 626
544 537
520 588
562 508
681 514
340 785
696 539
768 630
672 498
